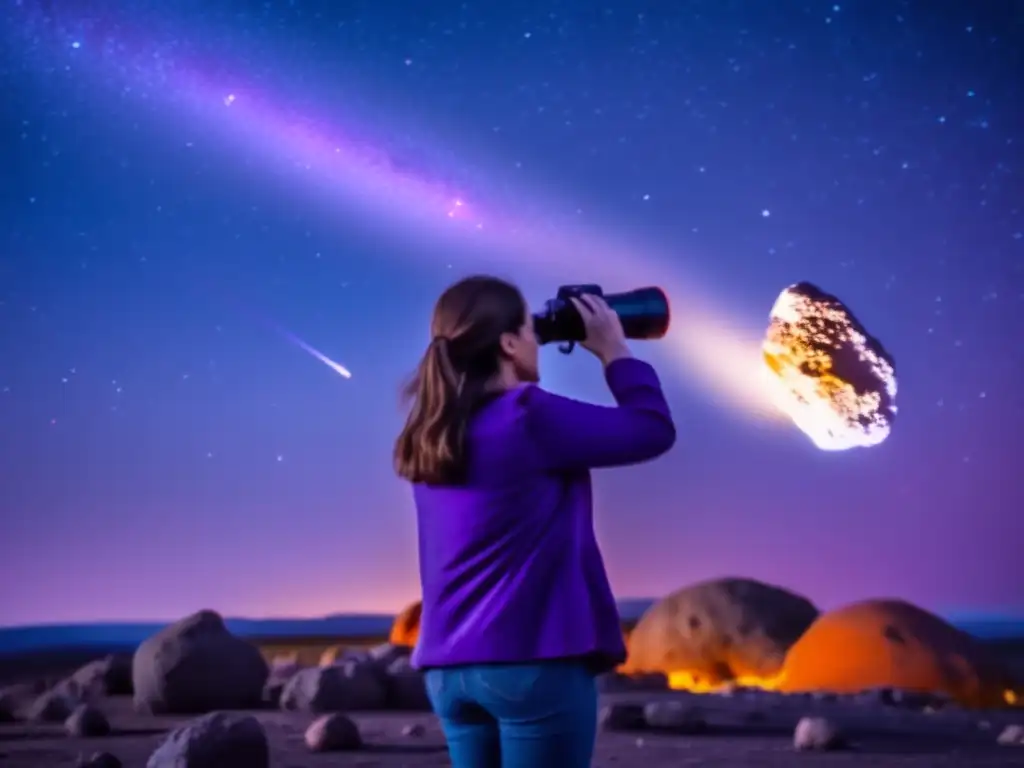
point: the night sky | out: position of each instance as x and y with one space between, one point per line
190 192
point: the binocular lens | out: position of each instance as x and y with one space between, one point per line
644 313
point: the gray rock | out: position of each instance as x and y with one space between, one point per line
196 665
333 733
99 760
87 722
621 717
339 688
399 665
386 654
276 682
414 730
817 734
217 740
1011 736
676 716
53 706
406 689
109 676
17 697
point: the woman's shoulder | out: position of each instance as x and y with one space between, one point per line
513 404
508 413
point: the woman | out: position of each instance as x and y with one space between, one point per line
518 616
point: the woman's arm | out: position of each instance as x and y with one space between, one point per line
569 434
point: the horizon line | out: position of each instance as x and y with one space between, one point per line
967 616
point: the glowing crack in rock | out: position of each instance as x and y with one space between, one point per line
831 377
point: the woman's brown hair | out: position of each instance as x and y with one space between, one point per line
453 376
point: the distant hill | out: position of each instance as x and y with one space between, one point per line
108 635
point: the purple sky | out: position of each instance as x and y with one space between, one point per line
186 181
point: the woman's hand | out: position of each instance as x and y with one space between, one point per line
605 337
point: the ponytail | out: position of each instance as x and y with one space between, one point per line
432 446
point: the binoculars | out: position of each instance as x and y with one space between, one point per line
644 313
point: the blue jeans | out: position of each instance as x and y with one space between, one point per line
541 715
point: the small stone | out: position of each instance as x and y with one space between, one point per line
621 717
100 760
87 722
333 733
817 734
53 706
1012 736
674 716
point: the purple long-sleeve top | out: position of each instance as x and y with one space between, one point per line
509 563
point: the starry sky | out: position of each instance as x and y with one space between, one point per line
202 203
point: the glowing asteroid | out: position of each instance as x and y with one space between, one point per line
831 377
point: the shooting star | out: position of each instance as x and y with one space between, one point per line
337 367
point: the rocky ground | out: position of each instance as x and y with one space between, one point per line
744 729
321 705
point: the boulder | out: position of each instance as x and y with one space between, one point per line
333 733
336 654
406 629
196 665
406 688
343 687
109 676
18 697
276 681
52 706
217 740
718 631
87 722
891 644
386 654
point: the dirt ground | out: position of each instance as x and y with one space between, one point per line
747 730
881 739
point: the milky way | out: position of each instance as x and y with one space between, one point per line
707 345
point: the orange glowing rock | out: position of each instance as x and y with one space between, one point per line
406 629
720 632
829 375
893 644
